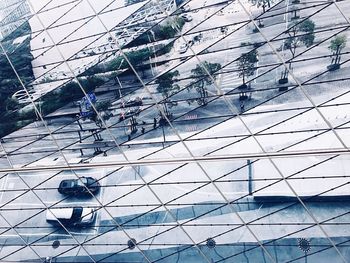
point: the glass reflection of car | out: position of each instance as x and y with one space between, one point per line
126 114
71 216
76 186
187 17
185 8
183 48
132 103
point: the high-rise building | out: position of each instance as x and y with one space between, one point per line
12 14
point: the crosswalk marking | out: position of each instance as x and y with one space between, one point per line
191 116
191 128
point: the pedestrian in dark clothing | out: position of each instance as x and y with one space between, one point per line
154 123
242 106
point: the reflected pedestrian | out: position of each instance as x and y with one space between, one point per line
154 123
242 106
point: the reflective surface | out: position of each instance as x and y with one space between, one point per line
217 130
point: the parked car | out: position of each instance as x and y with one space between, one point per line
183 48
71 216
132 102
187 17
126 114
76 186
185 8
197 37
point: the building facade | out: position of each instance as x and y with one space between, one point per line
12 14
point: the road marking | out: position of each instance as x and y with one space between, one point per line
191 128
191 116
23 204
100 197
55 178
3 187
92 233
34 234
81 203
14 176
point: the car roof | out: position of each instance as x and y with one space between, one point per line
87 212
59 213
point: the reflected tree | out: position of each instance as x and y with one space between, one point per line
338 43
246 64
246 67
167 87
202 80
298 35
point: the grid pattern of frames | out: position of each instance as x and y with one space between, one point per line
174 131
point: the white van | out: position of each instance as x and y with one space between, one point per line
71 216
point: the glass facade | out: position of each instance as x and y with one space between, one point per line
174 131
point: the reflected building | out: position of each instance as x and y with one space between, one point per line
200 151
106 30
12 14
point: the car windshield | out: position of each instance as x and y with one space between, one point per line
91 181
77 212
83 181
68 184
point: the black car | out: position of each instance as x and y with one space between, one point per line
76 186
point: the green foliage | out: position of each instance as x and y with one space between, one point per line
103 105
136 58
161 32
166 84
166 49
21 60
68 93
308 27
199 72
170 29
11 104
20 57
28 115
7 127
302 33
202 78
246 64
338 43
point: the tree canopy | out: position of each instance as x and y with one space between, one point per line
302 33
246 64
166 84
338 43
202 78
199 73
